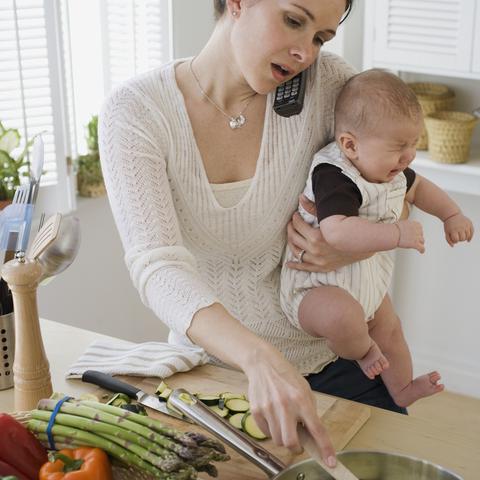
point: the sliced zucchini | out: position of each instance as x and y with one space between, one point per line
237 405
249 425
161 388
208 398
119 399
223 413
236 420
165 394
228 395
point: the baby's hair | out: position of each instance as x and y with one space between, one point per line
368 97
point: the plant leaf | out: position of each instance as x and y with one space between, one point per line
9 140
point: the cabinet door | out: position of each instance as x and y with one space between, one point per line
424 34
476 43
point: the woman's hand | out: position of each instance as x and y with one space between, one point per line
319 256
280 398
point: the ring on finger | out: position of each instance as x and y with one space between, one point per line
300 256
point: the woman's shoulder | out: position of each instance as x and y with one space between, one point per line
152 90
334 66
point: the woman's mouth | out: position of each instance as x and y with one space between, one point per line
280 72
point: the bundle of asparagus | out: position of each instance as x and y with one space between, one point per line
135 440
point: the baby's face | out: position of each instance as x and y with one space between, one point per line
389 151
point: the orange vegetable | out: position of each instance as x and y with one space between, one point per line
79 464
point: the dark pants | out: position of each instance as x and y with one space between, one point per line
345 379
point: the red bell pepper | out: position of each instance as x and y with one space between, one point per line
19 448
7 470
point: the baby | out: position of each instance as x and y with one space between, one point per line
359 184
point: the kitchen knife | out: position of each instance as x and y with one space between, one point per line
114 385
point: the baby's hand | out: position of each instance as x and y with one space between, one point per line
458 228
411 235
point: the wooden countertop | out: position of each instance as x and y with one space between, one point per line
455 450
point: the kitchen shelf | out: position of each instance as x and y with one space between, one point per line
459 178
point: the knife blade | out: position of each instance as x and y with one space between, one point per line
114 385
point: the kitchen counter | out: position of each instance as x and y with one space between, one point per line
387 431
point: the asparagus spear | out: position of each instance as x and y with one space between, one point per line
88 439
121 418
149 422
161 458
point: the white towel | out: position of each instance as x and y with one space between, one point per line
149 359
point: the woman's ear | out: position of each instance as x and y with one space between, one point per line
234 7
348 145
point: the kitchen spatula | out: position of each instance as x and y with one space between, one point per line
47 234
339 472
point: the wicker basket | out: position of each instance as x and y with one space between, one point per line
450 135
432 97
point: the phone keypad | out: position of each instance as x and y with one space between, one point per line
288 89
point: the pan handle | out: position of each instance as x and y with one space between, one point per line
203 416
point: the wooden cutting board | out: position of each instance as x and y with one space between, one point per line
342 418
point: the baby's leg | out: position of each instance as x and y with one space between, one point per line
386 330
333 313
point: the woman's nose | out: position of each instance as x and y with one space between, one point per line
304 54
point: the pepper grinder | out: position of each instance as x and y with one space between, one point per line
31 369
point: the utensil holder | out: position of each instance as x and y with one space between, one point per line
7 350
31 369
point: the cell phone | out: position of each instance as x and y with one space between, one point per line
289 96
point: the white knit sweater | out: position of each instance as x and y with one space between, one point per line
183 250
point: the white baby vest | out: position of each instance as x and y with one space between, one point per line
367 280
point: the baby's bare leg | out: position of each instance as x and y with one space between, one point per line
386 330
333 313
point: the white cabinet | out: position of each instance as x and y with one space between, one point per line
429 36
476 44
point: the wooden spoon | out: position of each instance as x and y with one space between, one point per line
339 472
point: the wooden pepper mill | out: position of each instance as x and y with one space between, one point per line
31 369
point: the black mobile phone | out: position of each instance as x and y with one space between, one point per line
289 96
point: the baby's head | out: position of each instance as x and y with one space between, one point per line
378 121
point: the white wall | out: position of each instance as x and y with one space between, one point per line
437 297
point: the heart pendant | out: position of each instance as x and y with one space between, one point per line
237 122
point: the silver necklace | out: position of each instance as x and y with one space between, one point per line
234 122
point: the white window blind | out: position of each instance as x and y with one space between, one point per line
136 37
31 89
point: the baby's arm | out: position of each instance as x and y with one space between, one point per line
433 200
355 234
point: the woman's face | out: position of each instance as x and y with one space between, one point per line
274 40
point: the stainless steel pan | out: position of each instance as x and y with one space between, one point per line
366 465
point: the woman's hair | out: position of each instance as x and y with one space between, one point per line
219 6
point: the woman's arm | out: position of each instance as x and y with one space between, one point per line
279 396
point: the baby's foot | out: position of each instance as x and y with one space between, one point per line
373 362
420 387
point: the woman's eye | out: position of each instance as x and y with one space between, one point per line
319 41
292 22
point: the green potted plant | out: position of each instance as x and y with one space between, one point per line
11 168
89 171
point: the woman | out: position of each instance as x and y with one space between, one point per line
203 178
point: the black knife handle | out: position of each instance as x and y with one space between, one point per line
109 383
